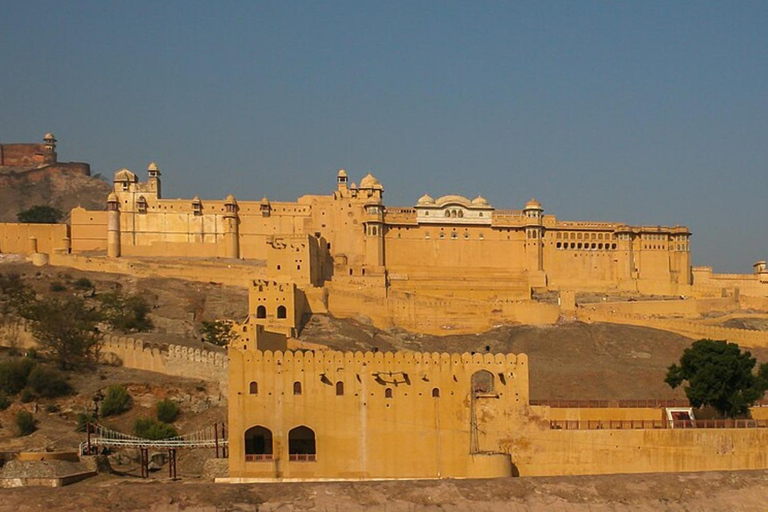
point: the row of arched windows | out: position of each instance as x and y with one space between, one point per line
585 246
253 387
261 312
301 444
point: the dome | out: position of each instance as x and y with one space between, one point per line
370 181
480 201
453 199
48 136
152 167
230 199
533 204
196 199
425 199
342 173
112 197
353 185
264 201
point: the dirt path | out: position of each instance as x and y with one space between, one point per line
732 492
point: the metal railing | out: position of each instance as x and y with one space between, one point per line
654 424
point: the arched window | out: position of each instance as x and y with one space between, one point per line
461 214
435 393
388 393
482 382
253 388
261 312
447 213
297 388
301 445
339 388
258 444
280 311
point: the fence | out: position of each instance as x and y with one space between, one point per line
654 424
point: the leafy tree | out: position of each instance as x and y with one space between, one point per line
67 330
116 400
147 428
83 283
719 374
167 411
26 423
126 313
218 332
40 214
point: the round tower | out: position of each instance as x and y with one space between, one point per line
231 229
113 226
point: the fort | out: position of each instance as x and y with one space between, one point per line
445 265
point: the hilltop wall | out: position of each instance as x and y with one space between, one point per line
175 360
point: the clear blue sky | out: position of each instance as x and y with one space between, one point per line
644 112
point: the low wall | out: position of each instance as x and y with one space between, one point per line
435 315
694 330
689 308
17 238
595 452
228 272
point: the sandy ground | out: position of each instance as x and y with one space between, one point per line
732 492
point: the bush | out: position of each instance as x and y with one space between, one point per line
56 286
116 400
14 374
147 428
27 395
83 284
52 408
167 411
48 383
4 401
25 422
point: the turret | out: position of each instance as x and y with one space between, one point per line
265 207
50 148
231 229
534 233
342 180
113 226
153 179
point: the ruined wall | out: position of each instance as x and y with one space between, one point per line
26 154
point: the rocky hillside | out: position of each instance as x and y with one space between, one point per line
24 189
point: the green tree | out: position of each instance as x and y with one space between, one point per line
40 214
720 375
66 329
218 332
126 313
